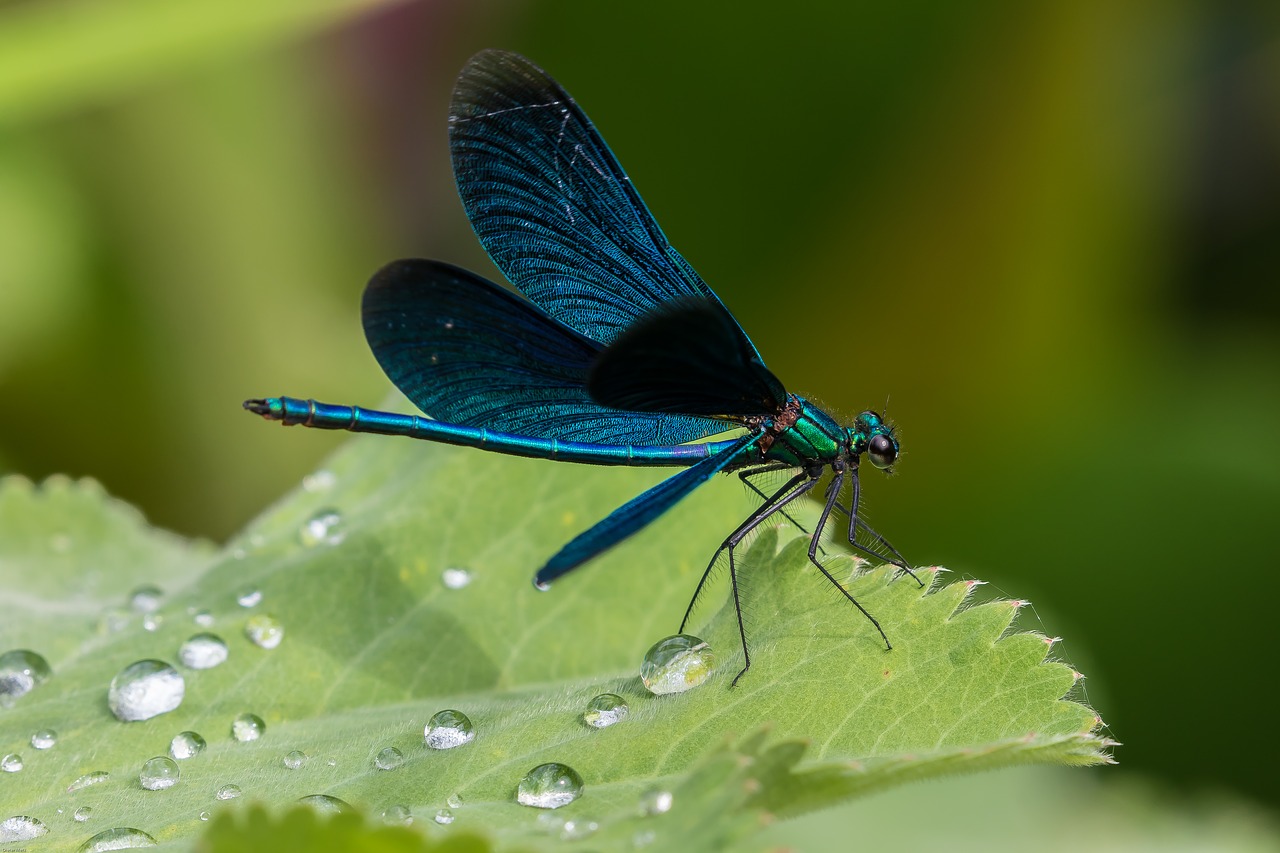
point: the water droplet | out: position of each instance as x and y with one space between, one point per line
655 801
203 618
455 577
186 745
549 786
397 815
541 586
323 528
20 671
82 814
117 838
249 597
228 792
21 828
676 664
326 804
264 630
44 739
605 710
574 830
448 729
146 599
205 815
159 773
145 689
88 779
455 801
389 759
294 760
203 651
444 817
319 481
247 727
11 763
152 622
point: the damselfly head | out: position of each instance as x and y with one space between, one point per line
873 436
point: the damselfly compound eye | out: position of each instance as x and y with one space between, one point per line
881 451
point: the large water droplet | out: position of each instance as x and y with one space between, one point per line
11 763
397 815
455 577
117 838
203 651
655 802
549 786
247 727
146 599
228 792
21 828
605 710
319 481
444 817
326 804
264 630
323 528
20 671
294 760
82 814
44 739
676 664
448 729
388 759
186 745
145 689
159 773
94 778
249 597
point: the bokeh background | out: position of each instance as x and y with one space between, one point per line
1047 234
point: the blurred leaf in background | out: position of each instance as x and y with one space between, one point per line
1048 234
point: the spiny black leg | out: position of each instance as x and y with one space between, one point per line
742 630
855 522
743 475
833 494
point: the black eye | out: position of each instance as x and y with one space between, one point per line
881 451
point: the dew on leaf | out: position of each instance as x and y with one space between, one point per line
444 817
574 830
605 710
247 727
11 763
264 630
44 739
655 802
228 792
21 828
159 773
152 622
455 577
205 815
322 528
549 786
389 758
82 814
145 599
294 760
203 651
455 801
319 481
145 689
249 597
326 804
203 618
448 729
186 745
94 778
20 671
397 815
117 838
676 664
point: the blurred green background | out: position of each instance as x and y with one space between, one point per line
1048 233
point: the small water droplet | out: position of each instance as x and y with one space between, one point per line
455 801
605 710
389 759
249 597
455 577
397 815
228 792
205 815
549 786
203 651
319 481
676 664
203 618
152 622
294 760
186 745
44 739
11 763
448 729
146 599
247 727
332 762
82 814
145 689
541 586
159 773
117 838
323 528
88 779
21 828
326 804
655 801
20 671
264 630
444 817
574 830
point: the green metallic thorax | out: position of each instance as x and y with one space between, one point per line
803 434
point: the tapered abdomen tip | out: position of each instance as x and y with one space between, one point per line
265 408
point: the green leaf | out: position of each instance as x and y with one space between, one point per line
375 643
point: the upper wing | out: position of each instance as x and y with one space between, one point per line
552 206
466 351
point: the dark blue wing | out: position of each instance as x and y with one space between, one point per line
552 206
466 351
